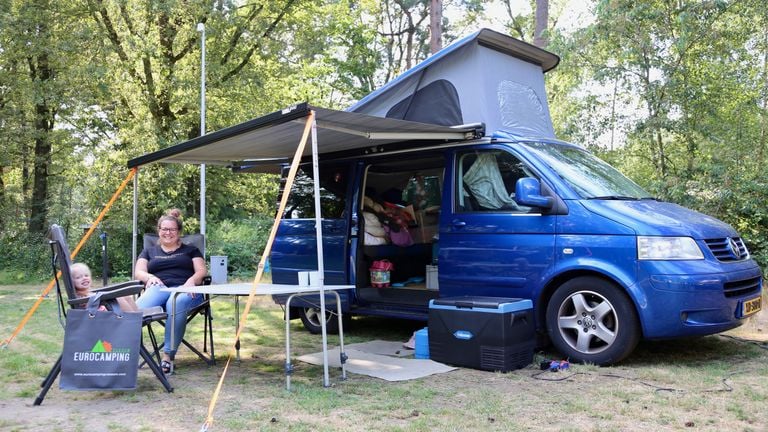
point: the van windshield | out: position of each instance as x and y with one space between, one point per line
586 174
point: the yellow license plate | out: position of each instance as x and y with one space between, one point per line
751 306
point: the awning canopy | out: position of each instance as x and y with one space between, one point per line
273 138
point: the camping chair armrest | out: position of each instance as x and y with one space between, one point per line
113 292
108 293
117 286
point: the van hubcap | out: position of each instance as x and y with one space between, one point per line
587 321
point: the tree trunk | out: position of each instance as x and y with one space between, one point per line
764 112
542 19
435 26
661 154
41 72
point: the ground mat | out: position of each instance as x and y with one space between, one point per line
380 359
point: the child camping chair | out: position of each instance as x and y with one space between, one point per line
61 265
203 309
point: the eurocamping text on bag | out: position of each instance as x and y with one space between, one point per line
101 349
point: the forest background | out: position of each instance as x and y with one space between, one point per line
674 93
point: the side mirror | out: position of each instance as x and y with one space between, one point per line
528 193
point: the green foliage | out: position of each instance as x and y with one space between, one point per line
242 241
676 93
25 258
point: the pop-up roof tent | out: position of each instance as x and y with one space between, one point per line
486 77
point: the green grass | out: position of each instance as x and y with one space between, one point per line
712 383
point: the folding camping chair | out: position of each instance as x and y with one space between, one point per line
60 262
203 309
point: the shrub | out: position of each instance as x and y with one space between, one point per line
242 241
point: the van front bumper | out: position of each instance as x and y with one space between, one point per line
679 305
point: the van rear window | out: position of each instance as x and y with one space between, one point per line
334 185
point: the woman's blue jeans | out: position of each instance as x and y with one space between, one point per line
152 296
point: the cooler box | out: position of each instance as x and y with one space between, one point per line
489 333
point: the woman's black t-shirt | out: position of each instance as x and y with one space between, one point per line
173 268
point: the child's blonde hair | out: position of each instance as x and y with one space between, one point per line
79 267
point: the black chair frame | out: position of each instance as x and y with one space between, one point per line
60 262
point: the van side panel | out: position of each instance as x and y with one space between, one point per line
491 252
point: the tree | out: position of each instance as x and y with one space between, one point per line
688 79
435 26
542 24
38 57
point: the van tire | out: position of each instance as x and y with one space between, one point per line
591 320
310 317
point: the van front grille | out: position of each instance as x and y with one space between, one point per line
742 287
728 249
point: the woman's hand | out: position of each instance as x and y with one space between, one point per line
153 280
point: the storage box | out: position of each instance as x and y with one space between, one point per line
218 269
432 277
488 333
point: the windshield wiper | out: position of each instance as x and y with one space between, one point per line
614 197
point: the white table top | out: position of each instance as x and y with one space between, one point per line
261 289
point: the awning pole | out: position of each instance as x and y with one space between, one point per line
134 241
320 262
201 29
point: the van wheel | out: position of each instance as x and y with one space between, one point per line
592 320
311 317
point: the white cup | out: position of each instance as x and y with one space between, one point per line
314 278
303 278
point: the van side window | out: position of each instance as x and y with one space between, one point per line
486 181
333 192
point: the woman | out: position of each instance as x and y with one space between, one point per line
169 264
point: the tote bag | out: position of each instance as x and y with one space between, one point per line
101 349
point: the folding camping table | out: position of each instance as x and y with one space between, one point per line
244 289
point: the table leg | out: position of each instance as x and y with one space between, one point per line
288 366
237 326
172 319
342 354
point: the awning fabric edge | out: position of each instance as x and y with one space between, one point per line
278 117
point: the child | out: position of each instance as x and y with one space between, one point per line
81 278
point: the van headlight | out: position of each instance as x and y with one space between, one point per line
668 248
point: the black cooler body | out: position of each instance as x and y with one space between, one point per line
488 333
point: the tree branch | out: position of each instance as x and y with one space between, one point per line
244 61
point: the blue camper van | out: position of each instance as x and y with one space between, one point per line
449 181
512 213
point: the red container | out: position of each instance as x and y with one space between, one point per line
380 273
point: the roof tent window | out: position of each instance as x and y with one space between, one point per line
521 109
436 103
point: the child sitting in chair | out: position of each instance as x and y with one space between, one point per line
81 278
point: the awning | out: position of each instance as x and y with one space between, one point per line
272 139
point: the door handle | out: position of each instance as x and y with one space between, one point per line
459 223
